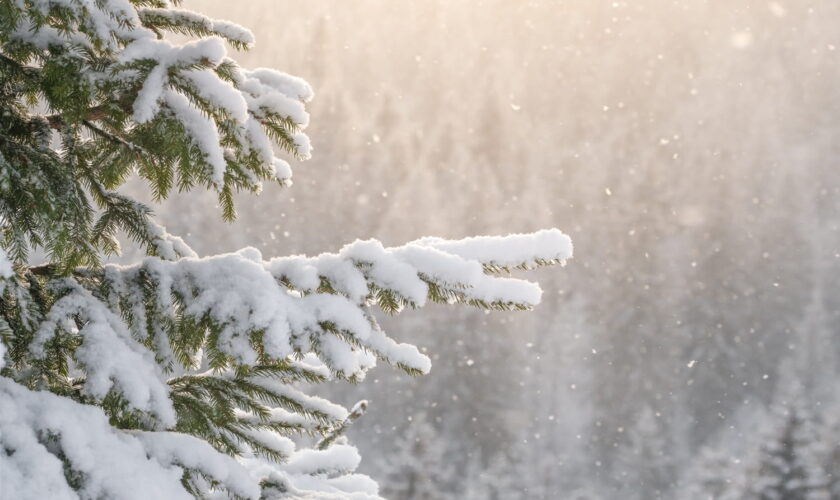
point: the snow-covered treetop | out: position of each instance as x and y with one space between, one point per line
177 377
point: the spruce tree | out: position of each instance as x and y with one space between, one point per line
419 468
714 476
789 463
646 470
787 449
831 443
176 377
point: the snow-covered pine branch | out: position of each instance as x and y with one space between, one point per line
179 376
211 347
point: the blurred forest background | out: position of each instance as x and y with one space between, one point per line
691 150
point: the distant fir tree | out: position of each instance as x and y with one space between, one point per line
787 458
791 453
175 377
789 464
831 440
645 468
496 479
420 467
714 476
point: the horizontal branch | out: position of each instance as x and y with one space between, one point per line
56 121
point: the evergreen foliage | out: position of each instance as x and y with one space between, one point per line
714 476
789 458
789 463
419 469
182 370
645 457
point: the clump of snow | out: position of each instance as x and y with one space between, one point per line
509 251
226 29
334 460
204 132
196 454
6 269
284 83
168 246
34 424
111 357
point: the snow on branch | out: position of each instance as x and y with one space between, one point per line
254 310
429 269
61 443
111 357
128 327
41 432
132 70
192 23
522 251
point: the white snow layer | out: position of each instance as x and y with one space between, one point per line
243 293
111 357
287 300
508 251
38 427
6 270
35 427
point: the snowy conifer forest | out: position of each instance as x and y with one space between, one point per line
284 249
